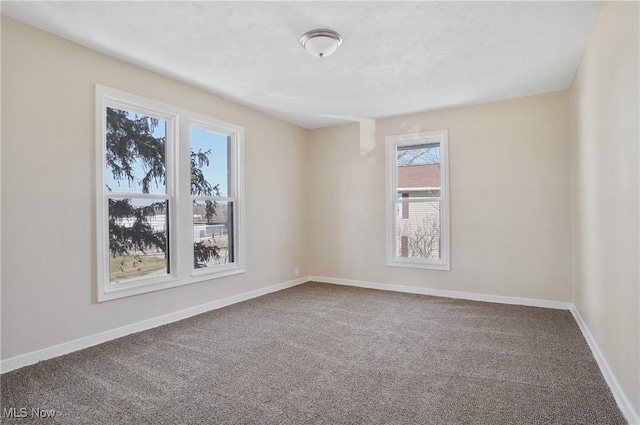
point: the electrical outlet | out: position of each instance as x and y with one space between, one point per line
296 271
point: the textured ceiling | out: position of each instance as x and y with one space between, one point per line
396 58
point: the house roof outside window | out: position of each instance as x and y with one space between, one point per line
419 176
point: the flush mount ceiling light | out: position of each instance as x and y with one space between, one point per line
320 43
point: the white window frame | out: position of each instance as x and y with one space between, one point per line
178 191
235 195
392 144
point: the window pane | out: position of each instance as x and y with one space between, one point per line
212 233
135 153
419 169
138 239
209 163
419 234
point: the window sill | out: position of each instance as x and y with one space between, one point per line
112 292
414 264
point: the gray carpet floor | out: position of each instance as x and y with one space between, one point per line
326 354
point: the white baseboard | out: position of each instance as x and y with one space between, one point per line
85 342
91 340
623 403
559 305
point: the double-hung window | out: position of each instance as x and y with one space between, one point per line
418 200
169 196
214 196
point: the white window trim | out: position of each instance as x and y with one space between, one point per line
178 192
237 189
392 143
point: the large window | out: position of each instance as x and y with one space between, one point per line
169 196
418 200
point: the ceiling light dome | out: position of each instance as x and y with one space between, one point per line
321 43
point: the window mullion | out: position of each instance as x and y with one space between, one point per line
184 200
171 189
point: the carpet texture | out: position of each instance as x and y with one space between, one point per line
326 354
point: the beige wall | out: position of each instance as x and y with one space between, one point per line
48 239
321 193
605 189
510 199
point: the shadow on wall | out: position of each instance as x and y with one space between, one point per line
407 128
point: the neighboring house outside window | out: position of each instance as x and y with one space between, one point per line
404 206
417 190
169 196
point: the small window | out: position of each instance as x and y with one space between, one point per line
164 174
418 201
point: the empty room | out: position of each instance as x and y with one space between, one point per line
320 212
